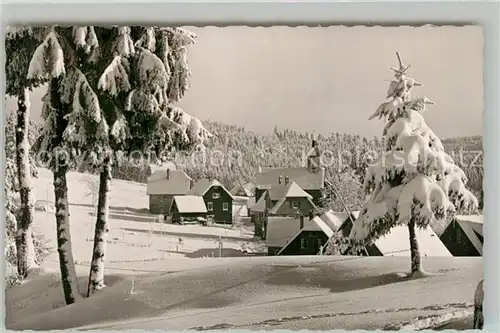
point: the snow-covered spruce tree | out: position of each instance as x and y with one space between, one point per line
137 74
20 43
72 114
414 182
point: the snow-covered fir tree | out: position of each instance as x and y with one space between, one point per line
20 43
118 86
414 182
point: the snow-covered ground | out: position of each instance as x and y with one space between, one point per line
152 284
255 293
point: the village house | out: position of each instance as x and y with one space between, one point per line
310 178
218 200
463 236
285 198
311 182
188 208
280 230
163 185
309 240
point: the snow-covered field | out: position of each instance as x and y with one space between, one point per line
152 284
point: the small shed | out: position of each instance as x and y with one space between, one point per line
162 186
186 208
463 236
309 240
218 200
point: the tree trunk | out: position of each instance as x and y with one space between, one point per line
60 169
96 275
26 256
416 260
66 261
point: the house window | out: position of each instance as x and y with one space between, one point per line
225 206
295 204
303 243
210 206
215 195
320 243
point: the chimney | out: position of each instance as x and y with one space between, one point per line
287 180
280 179
168 174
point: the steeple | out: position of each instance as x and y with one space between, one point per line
314 155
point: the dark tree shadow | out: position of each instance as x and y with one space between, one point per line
337 282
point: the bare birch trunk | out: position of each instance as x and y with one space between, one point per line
26 256
60 169
66 261
96 275
416 260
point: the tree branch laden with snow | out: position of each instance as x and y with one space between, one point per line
48 59
414 180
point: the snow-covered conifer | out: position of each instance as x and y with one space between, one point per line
414 183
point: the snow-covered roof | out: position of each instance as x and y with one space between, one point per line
277 206
316 224
246 189
280 230
305 179
176 182
470 218
260 205
190 204
333 219
396 243
203 185
250 202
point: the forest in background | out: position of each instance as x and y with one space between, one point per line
234 155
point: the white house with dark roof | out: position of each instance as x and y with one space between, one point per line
163 185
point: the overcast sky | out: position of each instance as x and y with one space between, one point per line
330 79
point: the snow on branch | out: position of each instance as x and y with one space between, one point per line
120 130
197 133
85 38
124 44
85 100
152 74
115 77
147 40
181 37
12 32
140 101
48 60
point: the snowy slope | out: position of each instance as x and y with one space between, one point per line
247 293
